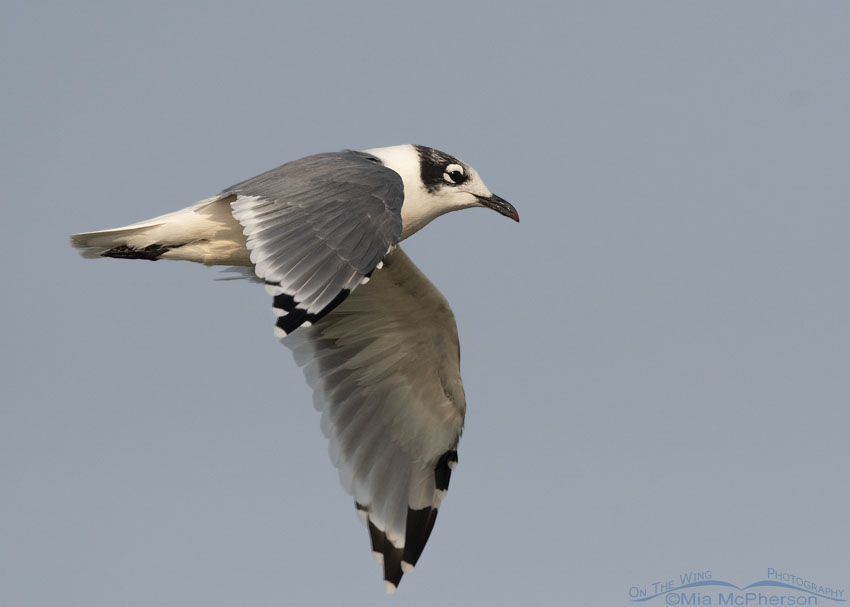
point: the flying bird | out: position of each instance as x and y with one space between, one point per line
377 341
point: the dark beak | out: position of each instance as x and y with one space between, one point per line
500 205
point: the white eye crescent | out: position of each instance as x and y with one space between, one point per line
454 174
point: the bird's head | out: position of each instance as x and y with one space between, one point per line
436 183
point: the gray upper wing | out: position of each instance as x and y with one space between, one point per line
385 368
317 227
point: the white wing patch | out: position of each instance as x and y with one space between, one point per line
385 369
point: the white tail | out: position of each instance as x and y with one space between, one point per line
205 232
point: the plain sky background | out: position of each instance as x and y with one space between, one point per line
656 360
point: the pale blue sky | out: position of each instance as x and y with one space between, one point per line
655 360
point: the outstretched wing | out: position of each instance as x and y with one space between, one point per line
316 228
385 368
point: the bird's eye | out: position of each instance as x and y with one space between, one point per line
454 174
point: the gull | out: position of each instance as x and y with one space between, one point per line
377 341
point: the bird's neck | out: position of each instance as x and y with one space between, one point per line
419 210
420 207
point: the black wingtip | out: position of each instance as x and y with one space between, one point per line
394 560
392 564
292 316
443 469
387 554
150 252
418 529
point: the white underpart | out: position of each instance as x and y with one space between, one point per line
420 206
208 233
205 232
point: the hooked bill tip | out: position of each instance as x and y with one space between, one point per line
500 205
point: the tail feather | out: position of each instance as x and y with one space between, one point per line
205 232
100 243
